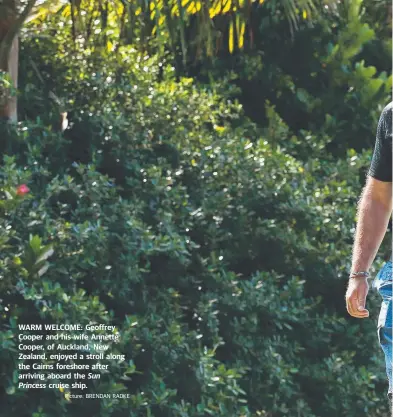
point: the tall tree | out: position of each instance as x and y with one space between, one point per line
12 17
169 20
143 19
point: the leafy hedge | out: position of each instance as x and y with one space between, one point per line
220 258
219 248
334 77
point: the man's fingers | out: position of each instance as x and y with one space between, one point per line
361 304
361 299
354 309
350 309
356 299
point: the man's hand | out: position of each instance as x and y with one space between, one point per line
356 297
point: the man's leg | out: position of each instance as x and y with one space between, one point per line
383 283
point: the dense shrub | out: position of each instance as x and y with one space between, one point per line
333 77
221 257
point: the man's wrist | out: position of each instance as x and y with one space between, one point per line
356 274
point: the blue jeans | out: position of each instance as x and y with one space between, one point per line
383 284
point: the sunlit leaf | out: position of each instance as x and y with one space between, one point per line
231 36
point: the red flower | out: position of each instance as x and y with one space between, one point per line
22 189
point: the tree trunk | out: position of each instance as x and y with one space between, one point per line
10 23
9 64
9 110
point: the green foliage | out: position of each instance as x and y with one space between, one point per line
217 255
6 88
333 78
219 249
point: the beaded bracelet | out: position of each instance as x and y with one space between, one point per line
360 273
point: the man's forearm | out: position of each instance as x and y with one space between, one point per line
373 218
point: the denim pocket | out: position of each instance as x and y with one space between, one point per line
385 274
383 313
383 278
384 327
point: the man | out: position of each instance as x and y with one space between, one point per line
374 211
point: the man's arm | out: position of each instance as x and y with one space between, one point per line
375 205
374 210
